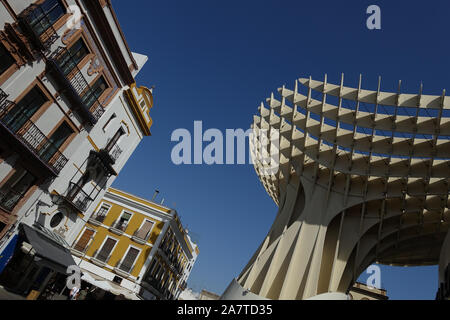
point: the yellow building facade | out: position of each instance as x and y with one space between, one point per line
124 240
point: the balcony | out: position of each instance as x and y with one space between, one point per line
77 198
28 139
9 199
183 285
78 251
139 238
36 24
105 159
115 153
124 270
154 286
60 65
118 227
171 260
97 219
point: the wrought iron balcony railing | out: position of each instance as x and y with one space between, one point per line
9 199
97 111
38 27
115 153
98 218
32 138
156 284
77 197
63 67
120 226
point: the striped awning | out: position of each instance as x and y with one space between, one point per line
107 285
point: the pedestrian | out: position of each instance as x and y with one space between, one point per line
74 293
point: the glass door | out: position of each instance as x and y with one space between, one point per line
24 109
55 141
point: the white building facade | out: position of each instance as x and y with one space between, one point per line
71 114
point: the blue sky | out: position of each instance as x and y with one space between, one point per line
216 61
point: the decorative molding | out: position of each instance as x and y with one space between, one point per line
95 66
69 35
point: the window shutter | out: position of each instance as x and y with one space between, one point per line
129 259
84 240
142 233
107 248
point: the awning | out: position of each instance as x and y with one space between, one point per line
6 255
107 285
48 251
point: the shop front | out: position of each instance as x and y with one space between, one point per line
37 264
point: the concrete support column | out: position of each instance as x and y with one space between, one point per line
444 267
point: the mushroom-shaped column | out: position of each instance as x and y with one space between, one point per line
362 177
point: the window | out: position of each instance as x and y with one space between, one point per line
94 92
152 266
128 261
103 210
15 188
24 109
109 122
144 231
73 56
101 213
57 139
45 16
117 280
115 139
56 219
123 221
84 240
6 60
106 250
2 226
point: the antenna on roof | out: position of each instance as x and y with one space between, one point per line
155 195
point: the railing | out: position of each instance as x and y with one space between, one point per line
99 217
124 267
115 153
163 291
171 259
3 97
97 111
118 225
66 72
183 285
156 284
9 199
32 137
80 199
38 27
